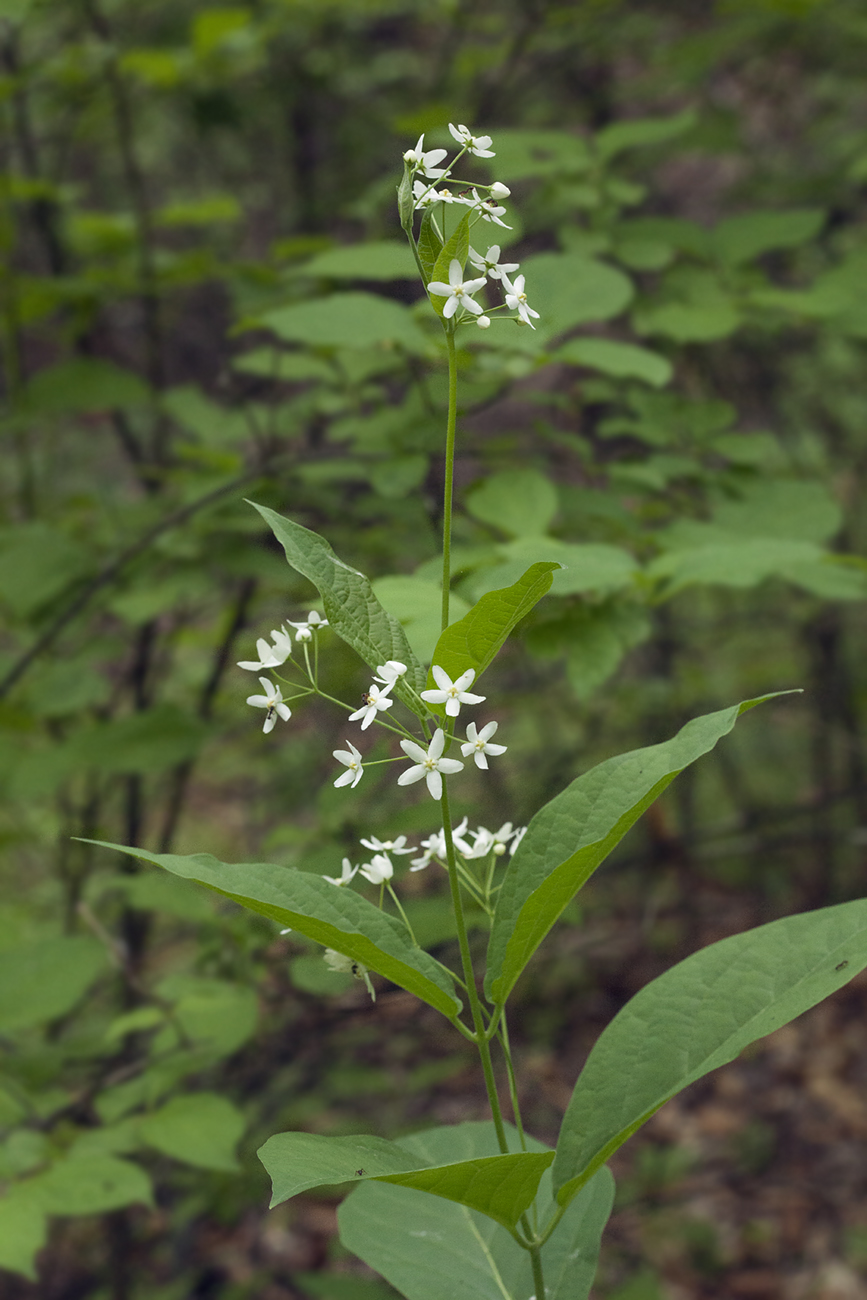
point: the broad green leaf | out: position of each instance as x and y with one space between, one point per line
22 1230
342 1286
217 1015
429 244
522 154
500 1186
690 322
211 210
85 384
585 566
520 502
90 1184
146 742
347 320
748 563
417 604
623 360
433 1249
335 917
385 259
572 834
700 1015
350 605
457 246
567 289
38 564
740 239
200 1128
475 640
642 132
41 981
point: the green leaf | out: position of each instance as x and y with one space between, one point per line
572 834
567 289
347 320
457 246
623 360
22 1230
690 322
432 1249
740 239
417 604
475 639
585 566
429 244
385 259
522 154
700 1015
90 1184
342 1286
150 741
217 1015
748 563
85 384
499 1186
643 132
41 981
38 564
200 1128
335 917
518 501
350 605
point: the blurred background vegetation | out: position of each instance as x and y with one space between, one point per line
196 210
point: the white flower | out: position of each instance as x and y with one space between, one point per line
346 874
421 161
312 623
500 191
272 701
387 674
338 961
457 292
490 264
351 759
435 846
375 700
270 656
476 144
516 299
452 694
424 195
429 765
378 869
388 846
516 838
491 841
479 744
489 210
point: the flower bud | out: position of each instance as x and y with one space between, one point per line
483 322
499 190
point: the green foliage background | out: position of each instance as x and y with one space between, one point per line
204 297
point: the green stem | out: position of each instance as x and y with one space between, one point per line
403 915
469 975
450 471
538 1279
503 1031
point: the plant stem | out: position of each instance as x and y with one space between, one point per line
469 975
450 470
538 1279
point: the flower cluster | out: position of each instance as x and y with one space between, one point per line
274 656
471 845
459 292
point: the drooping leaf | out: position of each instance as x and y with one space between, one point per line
335 917
748 563
457 246
432 1249
584 566
623 360
700 1015
642 132
90 1184
346 320
520 502
741 238
572 834
386 259
350 605
476 638
43 980
499 1186
22 1230
200 1128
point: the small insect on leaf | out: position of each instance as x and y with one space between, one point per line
359 1173
841 965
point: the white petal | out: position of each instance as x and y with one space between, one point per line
435 784
259 701
465 679
441 678
450 766
481 761
437 744
456 273
440 290
450 308
412 750
411 775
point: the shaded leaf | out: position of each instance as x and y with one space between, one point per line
429 244
740 239
385 259
623 360
22 1230
642 132
90 1184
346 320
200 1128
41 981
518 501
417 604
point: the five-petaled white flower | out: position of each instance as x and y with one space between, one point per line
312 623
272 701
489 210
478 744
457 292
476 144
375 700
346 874
388 846
270 656
378 869
490 264
452 693
516 299
388 673
351 760
429 765
422 161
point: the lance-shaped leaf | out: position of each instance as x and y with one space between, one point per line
700 1015
476 638
457 246
350 605
434 1249
572 834
333 916
429 245
500 1186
